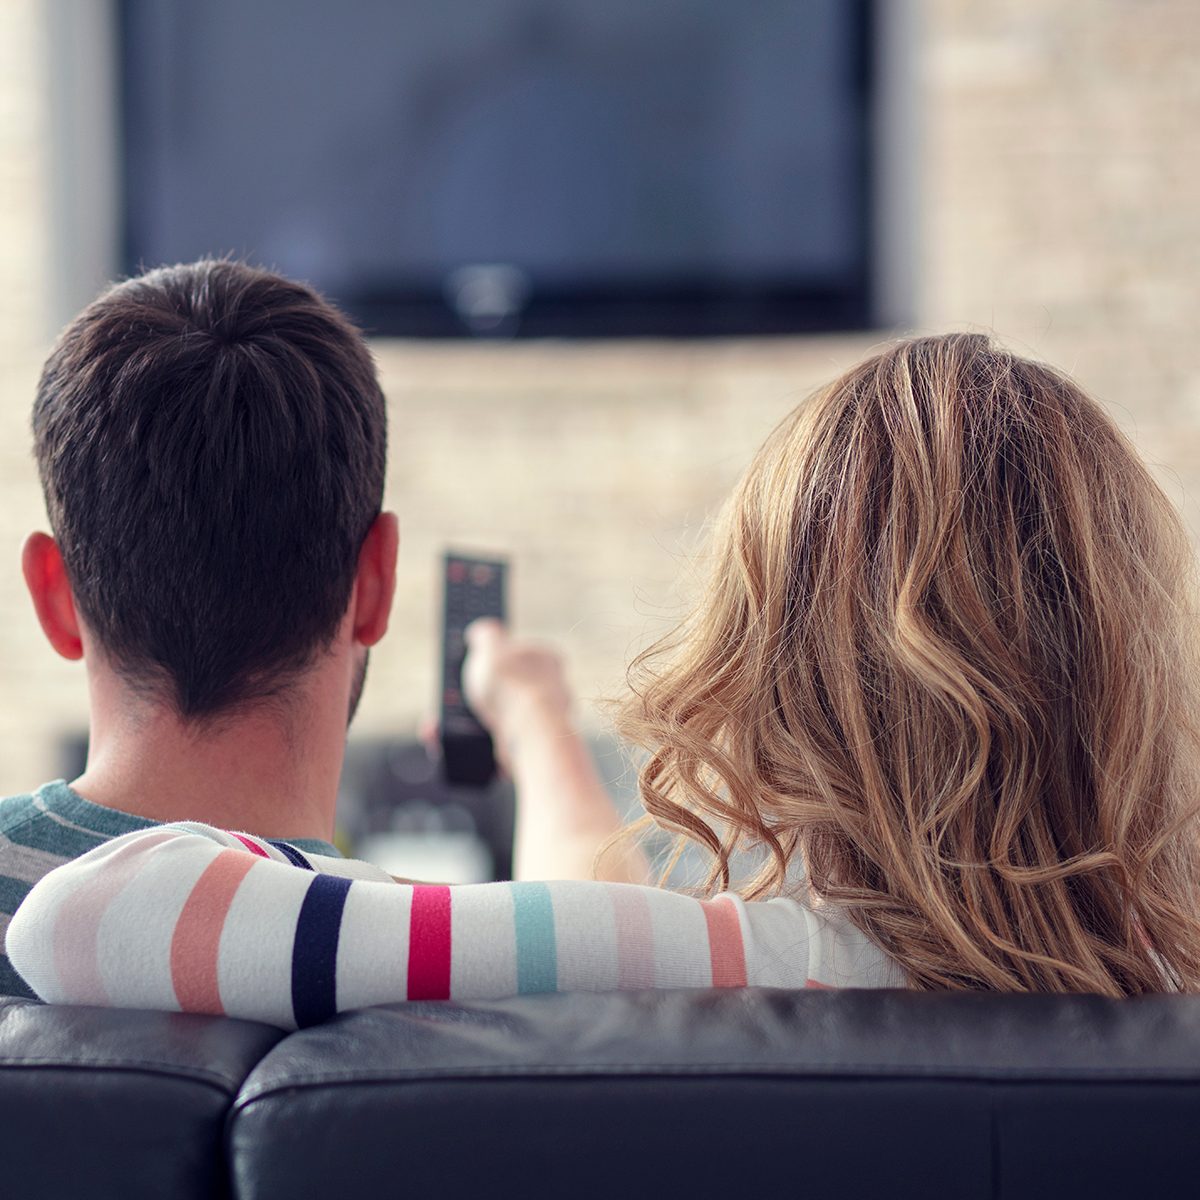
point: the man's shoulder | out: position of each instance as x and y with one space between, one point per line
41 830
38 832
53 820
16 811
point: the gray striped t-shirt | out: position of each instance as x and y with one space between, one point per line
47 828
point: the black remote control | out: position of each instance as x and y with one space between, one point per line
474 587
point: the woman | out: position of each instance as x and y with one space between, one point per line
942 682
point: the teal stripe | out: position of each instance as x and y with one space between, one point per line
11 984
95 818
25 824
45 834
16 809
537 951
12 892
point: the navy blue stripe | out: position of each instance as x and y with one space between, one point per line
314 951
291 854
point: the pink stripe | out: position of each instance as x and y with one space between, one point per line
253 847
817 985
725 943
77 923
197 937
429 943
635 937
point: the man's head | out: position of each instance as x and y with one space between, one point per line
211 441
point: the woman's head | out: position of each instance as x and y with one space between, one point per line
946 662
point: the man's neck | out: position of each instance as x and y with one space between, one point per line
268 771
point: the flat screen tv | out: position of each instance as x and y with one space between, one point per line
447 168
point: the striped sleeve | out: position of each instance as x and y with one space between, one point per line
199 920
285 852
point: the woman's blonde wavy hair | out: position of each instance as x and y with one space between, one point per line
946 667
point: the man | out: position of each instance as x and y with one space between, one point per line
211 442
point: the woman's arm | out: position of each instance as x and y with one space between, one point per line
174 919
564 813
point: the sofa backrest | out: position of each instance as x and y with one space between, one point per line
834 1094
98 1103
732 1093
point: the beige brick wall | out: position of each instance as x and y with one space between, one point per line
1059 191
1063 198
39 694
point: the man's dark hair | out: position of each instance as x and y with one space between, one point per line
211 440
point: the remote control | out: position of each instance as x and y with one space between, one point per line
474 587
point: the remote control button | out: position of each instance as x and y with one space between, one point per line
456 572
481 575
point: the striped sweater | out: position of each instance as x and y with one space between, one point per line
46 828
191 918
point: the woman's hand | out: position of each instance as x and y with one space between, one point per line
519 690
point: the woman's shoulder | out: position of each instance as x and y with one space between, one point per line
788 937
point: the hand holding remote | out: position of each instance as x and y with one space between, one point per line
473 587
519 691
514 686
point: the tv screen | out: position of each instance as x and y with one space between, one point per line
512 167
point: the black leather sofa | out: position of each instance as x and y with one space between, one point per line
657 1094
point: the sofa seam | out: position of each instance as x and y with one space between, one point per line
189 1074
1167 1075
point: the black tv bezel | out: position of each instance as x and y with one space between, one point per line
683 309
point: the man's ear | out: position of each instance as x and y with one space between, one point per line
46 578
375 582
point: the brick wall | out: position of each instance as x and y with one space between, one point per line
1059 191
1063 199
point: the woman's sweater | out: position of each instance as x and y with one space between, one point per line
186 917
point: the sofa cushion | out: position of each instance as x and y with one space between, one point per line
703 1093
101 1103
